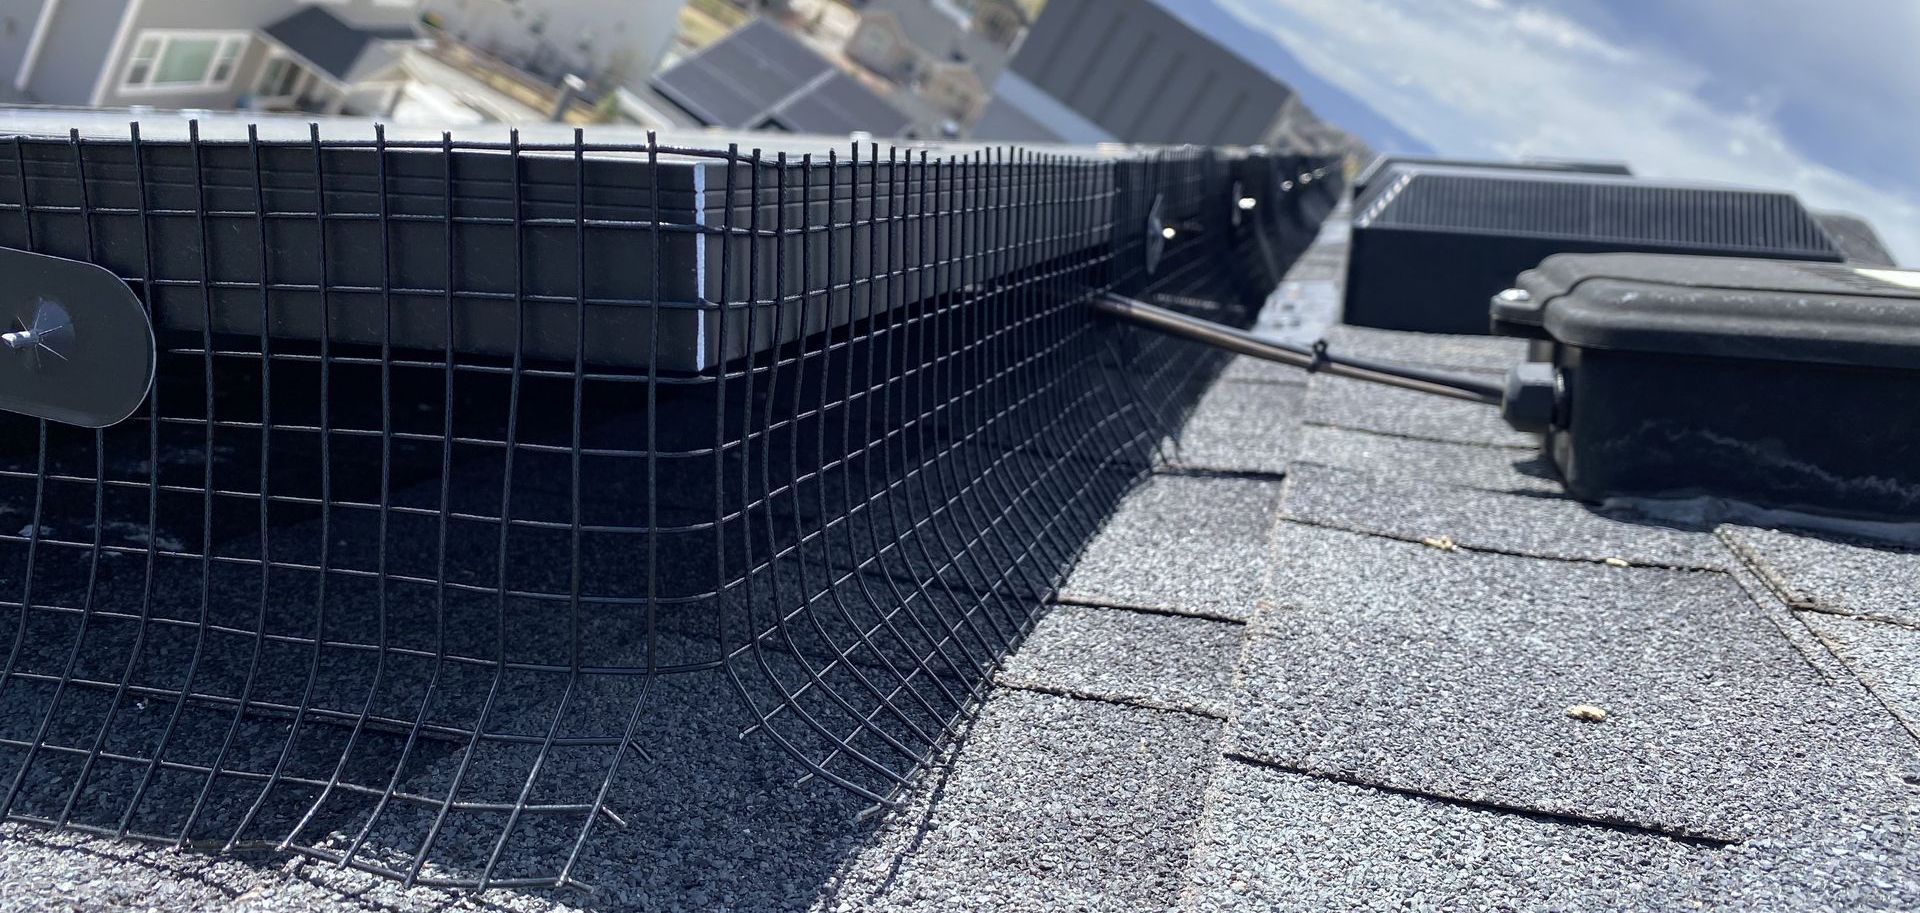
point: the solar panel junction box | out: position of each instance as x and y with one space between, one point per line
1784 384
1431 245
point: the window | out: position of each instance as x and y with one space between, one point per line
184 60
279 78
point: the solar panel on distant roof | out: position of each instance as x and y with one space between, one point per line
841 105
759 74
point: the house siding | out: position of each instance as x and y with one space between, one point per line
879 45
77 41
17 18
222 16
620 42
197 15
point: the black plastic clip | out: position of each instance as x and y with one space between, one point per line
1320 359
76 343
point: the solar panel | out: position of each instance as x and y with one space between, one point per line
839 104
1432 244
759 76
345 587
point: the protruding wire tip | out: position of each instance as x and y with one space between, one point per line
1247 202
1168 232
50 322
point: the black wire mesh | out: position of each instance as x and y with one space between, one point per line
473 468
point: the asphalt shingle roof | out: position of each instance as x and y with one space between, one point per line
1057 804
337 47
1830 574
1151 659
1405 413
1243 426
1282 841
1429 512
1465 465
1450 674
1192 545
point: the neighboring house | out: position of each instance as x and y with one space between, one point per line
325 56
949 53
608 42
644 106
1003 22
1162 71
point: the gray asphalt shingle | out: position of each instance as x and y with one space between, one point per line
1475 354
1275 840
1885 656
1817 572
1451 673
1243 427
1467 465
1543 527
1347 403
1197 546
1247 369
1056 804
1155 660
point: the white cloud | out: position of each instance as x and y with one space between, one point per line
1484 77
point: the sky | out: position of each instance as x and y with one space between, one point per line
1820 98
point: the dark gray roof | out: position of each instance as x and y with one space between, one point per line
340 49
759 77
941 30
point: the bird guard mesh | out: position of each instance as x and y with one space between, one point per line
476 474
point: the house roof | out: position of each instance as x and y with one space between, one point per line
760 76
942 31
1323 659
344 52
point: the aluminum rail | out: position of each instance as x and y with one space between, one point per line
1314 358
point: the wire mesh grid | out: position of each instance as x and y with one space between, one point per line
473 473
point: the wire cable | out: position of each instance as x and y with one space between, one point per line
1313 358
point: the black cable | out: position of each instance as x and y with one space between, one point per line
1314 359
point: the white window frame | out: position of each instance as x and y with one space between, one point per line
300 82
228 42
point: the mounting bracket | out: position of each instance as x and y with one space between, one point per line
77 345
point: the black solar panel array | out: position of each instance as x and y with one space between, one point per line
1579 207
760 77
353 585
1432 244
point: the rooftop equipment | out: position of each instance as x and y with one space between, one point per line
1385 165
478 472
1433 243
1772 382
1761 381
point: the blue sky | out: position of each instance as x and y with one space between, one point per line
1819 98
